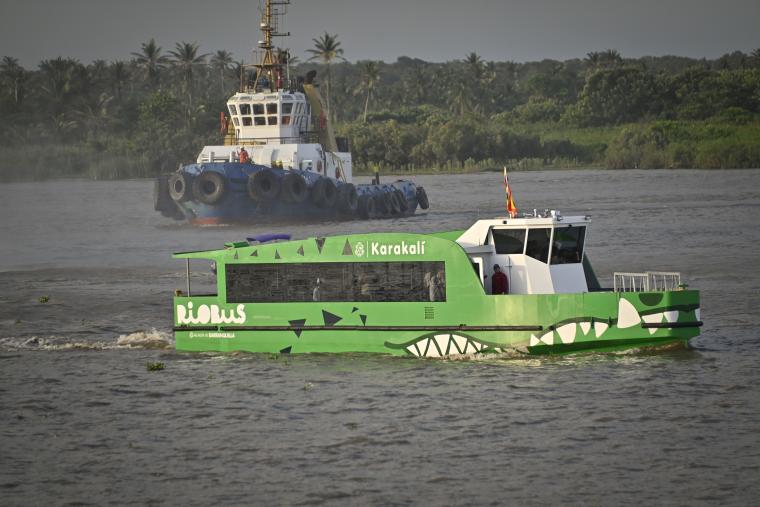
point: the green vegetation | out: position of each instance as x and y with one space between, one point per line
157 366
146 116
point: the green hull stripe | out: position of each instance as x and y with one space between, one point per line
363 328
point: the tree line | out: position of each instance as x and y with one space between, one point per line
148 114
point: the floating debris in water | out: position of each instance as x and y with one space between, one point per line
157 366
43 299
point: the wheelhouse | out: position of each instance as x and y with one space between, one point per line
539 254
270 118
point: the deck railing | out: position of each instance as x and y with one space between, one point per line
649 281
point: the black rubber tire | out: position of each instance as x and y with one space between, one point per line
324 194
264 186
402 200
395 204
162 200
209 187
422 198
348 200
180 186
380 204
367 207
294 188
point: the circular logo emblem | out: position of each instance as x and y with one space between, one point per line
359 249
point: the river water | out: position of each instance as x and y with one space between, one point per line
82 421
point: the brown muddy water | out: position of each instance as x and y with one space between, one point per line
82 421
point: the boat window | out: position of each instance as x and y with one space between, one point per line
235 119
538 244
568 245
287 107
260 120
272 120
233 109
286 120
336 282
272 108
509 241
258 108
245 109
246 121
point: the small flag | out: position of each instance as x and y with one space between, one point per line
511 208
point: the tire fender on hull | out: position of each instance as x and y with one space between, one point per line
422 198
294 188
180 184
348 200
324 193
366 206
264 186
209 187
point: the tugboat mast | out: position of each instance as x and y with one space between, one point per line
272 61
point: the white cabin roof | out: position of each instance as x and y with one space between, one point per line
477 234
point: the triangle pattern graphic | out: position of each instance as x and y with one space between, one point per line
300 251
347 249
235 256
364 319
277 254
255 253
354 309
330 318
320 244
286 350
297 323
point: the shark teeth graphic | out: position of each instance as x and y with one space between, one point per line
442 345
600 328
585 327
654 318
547 338
567 333
533 340
671 316
627 314
697 314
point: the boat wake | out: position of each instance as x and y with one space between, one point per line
152 339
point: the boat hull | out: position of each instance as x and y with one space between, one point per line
237 206
532 324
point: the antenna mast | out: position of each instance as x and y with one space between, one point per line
273 59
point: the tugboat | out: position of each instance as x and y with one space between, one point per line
431 295
280 156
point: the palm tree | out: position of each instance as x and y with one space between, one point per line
59 75
186 59
151 60
118 74
475 65
221 61
416 82
370 75
13 74
754 58
327 49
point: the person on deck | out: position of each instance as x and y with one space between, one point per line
243 155
499 282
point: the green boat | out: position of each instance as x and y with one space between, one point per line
430 295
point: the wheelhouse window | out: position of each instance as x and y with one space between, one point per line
246 121
272 120
245 109
509 241
260 120
538 243
272 108
258 108
336 282
233 110
567 247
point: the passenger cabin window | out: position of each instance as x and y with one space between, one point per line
538 244
509 241
568 245
336 282
245 109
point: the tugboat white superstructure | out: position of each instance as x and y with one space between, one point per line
280 155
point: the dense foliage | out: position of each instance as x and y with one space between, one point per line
147 115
